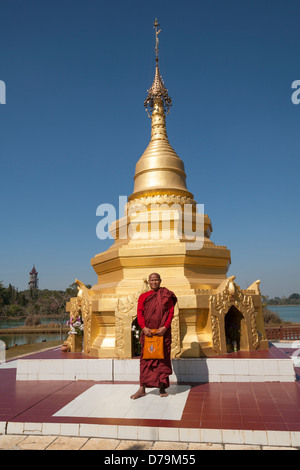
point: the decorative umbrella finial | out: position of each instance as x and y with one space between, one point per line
158 91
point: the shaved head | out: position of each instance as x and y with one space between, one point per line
154 281
154 274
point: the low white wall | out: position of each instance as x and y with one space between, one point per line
184 370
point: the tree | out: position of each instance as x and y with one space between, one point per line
59 300
72 290
15 310
4 295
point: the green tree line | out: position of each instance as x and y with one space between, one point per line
44 302
35 303
293 299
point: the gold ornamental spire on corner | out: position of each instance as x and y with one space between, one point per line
159 171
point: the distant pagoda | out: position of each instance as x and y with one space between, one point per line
33 280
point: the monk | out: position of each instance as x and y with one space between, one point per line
155 311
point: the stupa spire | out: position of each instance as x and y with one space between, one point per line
159 171
158 91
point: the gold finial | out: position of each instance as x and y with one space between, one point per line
158 90
156 25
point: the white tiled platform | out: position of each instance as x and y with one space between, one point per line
113 401
191 370
291 345
8 365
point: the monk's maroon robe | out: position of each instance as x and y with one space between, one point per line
156 309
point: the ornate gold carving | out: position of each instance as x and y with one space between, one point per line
125 313
255 287
119 335
160 199
255 339
215 328
74 311
126 304
83 303
175 328
229 294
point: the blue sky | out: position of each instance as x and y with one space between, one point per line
74 126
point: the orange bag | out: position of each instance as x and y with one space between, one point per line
153 347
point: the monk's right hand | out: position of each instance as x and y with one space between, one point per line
147 332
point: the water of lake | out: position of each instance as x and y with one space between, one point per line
287 312
12 323
28 338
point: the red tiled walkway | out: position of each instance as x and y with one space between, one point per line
248 406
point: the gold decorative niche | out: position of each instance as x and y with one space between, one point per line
207 298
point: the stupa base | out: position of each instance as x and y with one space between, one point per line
270 365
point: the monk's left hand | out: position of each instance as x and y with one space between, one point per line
161 331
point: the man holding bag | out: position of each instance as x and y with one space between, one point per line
155 312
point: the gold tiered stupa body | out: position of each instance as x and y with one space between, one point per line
151 237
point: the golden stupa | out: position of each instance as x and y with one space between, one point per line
213 314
